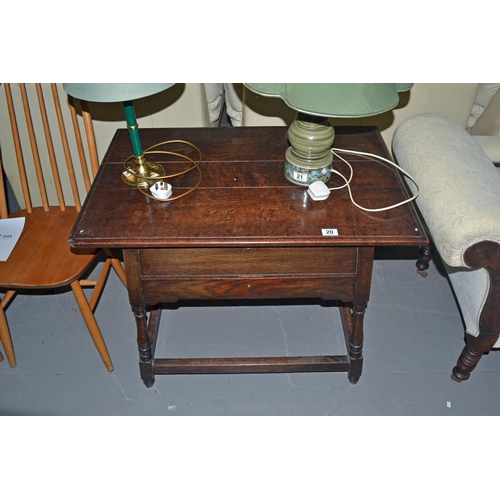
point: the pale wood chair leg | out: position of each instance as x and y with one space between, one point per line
101 281
92 325
6 339
117 266
8 297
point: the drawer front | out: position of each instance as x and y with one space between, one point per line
171 290
227 262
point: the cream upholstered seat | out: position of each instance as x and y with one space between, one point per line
460 202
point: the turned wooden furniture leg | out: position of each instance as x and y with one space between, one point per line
423 261
144 346
356 343
472 352
355 328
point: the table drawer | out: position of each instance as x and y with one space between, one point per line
297 287
256 261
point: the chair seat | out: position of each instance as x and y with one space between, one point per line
42 257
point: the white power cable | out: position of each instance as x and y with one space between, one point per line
348 182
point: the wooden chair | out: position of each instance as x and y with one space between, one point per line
42 259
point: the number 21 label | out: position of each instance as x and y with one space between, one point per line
299 176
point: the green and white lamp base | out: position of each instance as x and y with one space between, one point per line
304 175
309 158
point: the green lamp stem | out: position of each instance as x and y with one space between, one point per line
133 128
141 171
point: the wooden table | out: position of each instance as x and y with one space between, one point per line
247 233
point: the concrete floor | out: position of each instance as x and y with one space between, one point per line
413 336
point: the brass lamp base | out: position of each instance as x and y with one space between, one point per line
141 172
309 158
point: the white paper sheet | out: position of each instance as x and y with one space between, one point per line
10 231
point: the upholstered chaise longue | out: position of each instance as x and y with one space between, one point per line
460 202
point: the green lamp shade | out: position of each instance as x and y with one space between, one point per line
337 100
113 92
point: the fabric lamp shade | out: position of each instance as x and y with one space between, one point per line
113 92
336 100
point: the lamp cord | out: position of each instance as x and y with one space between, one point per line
348 181
157 178
196 164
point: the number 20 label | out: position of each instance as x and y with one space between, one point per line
329 232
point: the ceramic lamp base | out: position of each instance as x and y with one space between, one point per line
304 173
309 158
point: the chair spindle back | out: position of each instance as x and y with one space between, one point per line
70 195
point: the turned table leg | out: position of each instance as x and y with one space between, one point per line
423 261
144 346
356 343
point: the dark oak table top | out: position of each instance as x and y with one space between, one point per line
244 198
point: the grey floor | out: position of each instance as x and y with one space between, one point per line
413 335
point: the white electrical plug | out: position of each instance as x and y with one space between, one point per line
318 191
161 190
